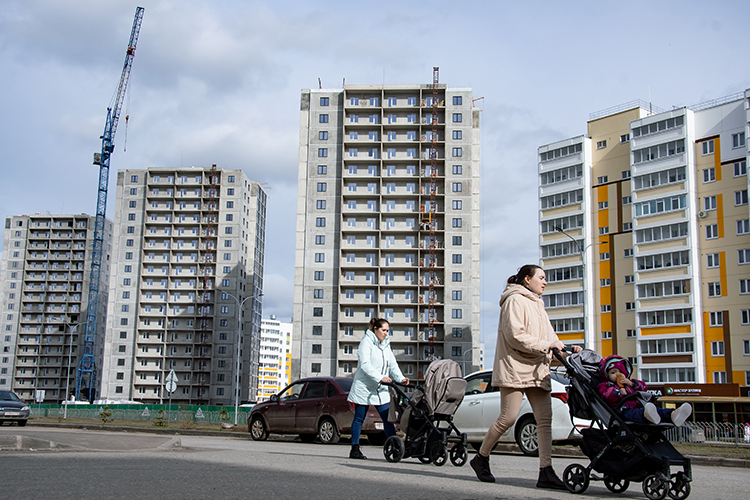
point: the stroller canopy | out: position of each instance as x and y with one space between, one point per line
444 387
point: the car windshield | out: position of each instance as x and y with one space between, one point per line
8 396
345 384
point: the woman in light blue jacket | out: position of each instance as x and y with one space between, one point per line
376 364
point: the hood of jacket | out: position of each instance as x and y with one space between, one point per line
614 361
369 334
513 289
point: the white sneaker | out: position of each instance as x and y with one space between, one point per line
649 411
681 414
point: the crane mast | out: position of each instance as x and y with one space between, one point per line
86 373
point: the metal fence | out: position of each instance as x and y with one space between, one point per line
156 414
709 433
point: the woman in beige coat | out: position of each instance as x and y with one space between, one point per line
525 339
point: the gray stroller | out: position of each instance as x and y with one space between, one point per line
421 415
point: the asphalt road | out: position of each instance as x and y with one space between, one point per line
153 466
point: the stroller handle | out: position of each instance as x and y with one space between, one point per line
559 356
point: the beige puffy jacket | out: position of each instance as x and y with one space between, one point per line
522 354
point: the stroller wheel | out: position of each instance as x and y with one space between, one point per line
616 485
679 486
576 478
458 455
655 488
393 449
439 454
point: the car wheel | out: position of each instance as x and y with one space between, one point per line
22 423
258 429
307 438
376 439
327 431
526 437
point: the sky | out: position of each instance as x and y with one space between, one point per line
219 81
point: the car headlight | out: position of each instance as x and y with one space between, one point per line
25 408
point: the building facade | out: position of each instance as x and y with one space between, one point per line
274 364
387 226
644 223
186 295
46 269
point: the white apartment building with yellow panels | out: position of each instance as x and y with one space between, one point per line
274 365
655 256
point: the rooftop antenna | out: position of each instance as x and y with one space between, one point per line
320 84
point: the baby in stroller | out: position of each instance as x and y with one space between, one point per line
616 385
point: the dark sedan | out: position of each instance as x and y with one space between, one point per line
312 407
13 409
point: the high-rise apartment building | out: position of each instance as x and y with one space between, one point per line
645 239
274 362
387 226
186 294
46 271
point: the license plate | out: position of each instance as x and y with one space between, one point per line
379 426
18 414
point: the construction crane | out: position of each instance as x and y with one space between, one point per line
86 374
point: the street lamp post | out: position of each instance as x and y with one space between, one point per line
240 305
70 356
587 339
464 357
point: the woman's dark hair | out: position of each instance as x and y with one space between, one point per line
527 270
377 323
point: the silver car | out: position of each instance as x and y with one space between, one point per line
481 407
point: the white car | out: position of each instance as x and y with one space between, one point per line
481 407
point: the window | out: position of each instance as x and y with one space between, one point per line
715 318
322 169
745 320
604 256
714 289
456 277
740 198
457 152
457 313
457 170
322 186
738 140
661 205
623 139
630 334
606 335
744 286
320 222
601 144
606 308
740 168
743 256
317 348
602 180
230 204
317 330
720 377
457 135
627 226
322 152
319 275
457 204
628 252
318 293
709 203
717 348
708 147
743 226
627 200
629 279
604 230
323 135
712 260
323 118
320 257
320 239
457 241
712 231
324 101
457 258
457 187
709 175
457 222
655 179
630 306
457 100
604 282
230 178
457 118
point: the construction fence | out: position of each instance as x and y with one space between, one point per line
158 414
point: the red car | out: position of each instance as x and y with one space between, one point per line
313 407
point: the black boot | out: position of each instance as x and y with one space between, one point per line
481 466
356 453
548 479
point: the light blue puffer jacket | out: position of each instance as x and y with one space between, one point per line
376 360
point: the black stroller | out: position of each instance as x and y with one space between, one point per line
622 452
421 415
